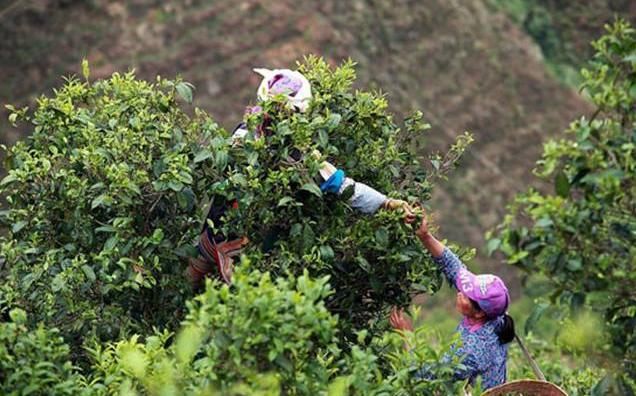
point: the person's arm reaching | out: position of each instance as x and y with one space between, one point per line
364 198
447 261
434 247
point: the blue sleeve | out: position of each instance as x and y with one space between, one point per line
450 265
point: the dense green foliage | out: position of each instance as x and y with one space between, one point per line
263 337
230 338
370 258
106 194
100 198
258 338
583 236
35 361
104 203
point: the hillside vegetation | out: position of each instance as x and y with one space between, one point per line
108 173
466 64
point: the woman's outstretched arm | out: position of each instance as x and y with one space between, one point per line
434 247
446 260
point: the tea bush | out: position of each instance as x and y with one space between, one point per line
100 200
583 236
372 261
35 361
104 200
232 337
267 337
263 337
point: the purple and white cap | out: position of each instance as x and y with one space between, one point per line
489 291
287 82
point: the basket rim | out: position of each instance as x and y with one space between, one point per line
533 384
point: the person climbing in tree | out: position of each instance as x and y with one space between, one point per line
485 329
215 249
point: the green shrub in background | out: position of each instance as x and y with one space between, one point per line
583 236
553 29
575 377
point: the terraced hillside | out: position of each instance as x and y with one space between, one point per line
466 64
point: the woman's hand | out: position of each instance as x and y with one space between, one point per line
423 231
434 247
400 321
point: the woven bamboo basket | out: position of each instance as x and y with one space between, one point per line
526 387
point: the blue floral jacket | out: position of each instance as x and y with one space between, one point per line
480 351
